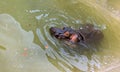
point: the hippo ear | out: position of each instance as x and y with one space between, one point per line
65 27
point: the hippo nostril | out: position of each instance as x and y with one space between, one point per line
56 36
52 30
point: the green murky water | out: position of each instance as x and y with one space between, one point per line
26 45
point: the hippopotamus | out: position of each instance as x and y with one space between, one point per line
87 33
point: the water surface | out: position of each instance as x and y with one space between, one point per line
26 44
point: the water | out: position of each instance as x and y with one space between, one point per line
26 44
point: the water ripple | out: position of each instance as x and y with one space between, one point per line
65 58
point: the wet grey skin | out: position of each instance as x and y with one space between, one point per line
87 33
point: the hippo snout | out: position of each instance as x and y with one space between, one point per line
52 30
57 32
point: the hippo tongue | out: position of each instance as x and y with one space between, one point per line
74 38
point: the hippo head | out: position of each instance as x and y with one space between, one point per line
66 33
57 32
